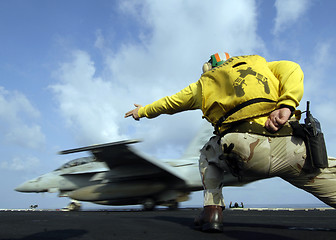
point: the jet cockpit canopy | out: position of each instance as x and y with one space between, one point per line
76 162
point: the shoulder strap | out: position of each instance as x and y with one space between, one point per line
237 108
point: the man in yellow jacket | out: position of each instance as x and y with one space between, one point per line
249 102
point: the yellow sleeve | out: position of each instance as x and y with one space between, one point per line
189 98
290 76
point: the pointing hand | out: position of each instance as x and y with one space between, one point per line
134 112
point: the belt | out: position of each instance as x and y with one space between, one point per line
255 128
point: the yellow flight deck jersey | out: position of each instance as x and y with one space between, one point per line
236 81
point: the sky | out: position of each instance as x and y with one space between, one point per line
69 70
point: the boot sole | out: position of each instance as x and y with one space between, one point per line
212 227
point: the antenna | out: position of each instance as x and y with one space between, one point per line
307 111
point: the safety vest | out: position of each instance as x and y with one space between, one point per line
239 80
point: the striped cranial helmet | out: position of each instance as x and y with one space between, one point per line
216 60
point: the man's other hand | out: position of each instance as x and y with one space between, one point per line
277 119
134 112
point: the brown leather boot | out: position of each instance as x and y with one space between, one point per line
210 219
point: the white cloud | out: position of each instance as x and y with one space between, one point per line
320 89
176 38
288 12
20 164
88 103
184 34
17 118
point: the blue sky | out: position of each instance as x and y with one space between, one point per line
69 70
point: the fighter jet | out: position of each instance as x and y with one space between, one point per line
118 174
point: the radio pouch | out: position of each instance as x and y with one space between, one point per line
313 137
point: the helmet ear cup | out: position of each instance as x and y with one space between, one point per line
206 67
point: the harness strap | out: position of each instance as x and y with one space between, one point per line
237 108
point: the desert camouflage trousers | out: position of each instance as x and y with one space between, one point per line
260 157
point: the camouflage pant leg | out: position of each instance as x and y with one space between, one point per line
254 153
289 159
321 183
284 157
211 174
212 168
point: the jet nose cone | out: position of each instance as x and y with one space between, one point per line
22 187
29 186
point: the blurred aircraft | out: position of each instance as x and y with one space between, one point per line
117 174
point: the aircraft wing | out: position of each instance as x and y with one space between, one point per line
126 162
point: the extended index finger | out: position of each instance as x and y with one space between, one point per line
129 113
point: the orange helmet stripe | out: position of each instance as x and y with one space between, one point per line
227 55
218 59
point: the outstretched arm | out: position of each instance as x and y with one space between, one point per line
134 113
189 98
